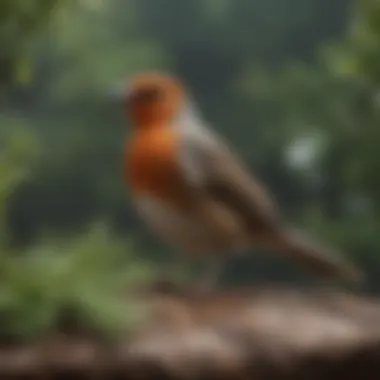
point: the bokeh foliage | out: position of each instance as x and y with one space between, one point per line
19 22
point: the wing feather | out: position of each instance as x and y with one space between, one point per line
215 170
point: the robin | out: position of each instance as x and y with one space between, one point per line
195 193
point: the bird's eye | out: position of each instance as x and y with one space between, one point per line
147 95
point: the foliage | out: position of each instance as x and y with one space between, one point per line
19 20
84 279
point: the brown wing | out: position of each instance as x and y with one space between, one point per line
215 170
218 172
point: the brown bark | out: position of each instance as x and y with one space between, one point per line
254 334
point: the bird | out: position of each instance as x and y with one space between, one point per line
196 194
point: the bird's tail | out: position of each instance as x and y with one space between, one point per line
318 258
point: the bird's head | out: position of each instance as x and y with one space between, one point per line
154 98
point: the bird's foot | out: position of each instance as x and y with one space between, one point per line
209 279
207 283
164 283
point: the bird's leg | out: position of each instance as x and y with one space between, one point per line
210 276
173 270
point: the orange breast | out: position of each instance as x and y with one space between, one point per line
152 166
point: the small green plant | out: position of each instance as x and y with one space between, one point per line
87 276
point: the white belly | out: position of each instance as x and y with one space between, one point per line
207 229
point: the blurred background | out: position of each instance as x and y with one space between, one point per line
293 84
